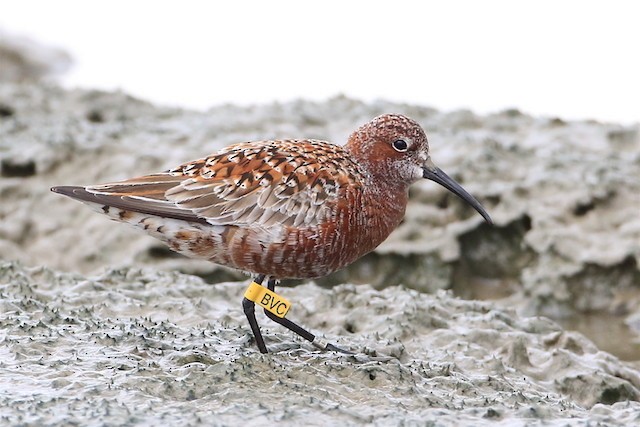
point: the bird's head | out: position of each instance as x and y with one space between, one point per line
394 149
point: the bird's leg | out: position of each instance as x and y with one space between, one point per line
297 329
249 310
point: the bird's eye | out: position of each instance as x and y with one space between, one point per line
400 145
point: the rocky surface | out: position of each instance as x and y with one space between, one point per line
25 60
143 347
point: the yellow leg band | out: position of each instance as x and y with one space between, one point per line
271 301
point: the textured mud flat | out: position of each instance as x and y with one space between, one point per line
141 347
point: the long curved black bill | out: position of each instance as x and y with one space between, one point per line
437 175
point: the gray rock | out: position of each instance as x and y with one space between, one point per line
24 60
143 347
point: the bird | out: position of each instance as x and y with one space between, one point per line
280 209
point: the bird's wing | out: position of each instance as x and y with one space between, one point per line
290 182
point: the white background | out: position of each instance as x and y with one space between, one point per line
573 59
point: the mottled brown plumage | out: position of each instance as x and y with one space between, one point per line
282 209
